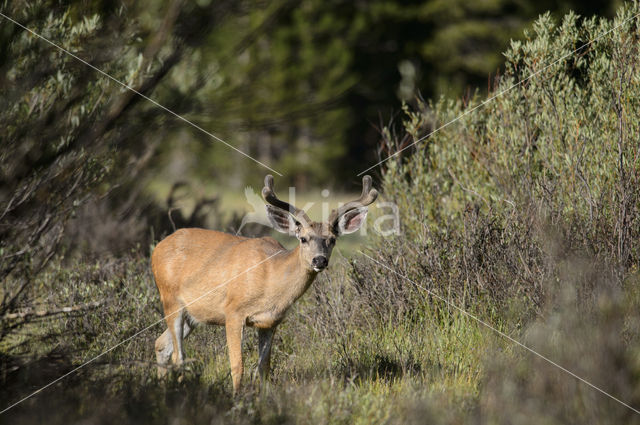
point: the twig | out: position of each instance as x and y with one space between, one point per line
44 313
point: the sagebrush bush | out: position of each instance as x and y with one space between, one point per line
600 344
545 169
525 212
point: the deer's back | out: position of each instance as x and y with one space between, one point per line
200 268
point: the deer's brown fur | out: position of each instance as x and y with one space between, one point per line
205 276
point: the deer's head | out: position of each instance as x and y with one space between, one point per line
317 239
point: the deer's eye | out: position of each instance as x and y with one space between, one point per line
303 240
331 241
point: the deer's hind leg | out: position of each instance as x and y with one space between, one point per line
172 337
164 349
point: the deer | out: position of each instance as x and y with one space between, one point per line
211 277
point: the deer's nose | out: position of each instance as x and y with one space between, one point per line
319 262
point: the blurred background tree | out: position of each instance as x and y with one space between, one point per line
301 85
305 86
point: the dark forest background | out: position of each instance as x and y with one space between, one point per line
305 87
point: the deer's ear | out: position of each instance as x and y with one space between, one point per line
352 220
282 221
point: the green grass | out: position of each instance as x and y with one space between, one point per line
331 364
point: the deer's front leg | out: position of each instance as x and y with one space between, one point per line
234 330
265 337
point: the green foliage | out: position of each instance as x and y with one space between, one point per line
599 344
48 167
70 133
550 161
524 211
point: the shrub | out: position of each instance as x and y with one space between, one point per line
546 170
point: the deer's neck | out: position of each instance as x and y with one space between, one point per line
294 277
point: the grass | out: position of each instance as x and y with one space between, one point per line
343 355
327 368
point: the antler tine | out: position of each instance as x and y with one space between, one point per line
270 196
367 197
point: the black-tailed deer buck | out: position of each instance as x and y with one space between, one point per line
214 277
